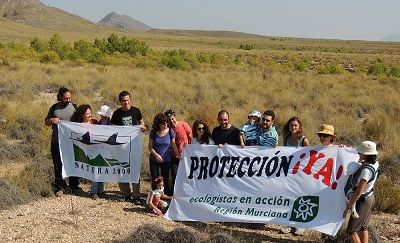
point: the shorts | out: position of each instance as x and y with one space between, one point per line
364 208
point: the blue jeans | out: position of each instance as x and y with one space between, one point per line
155 168
97 187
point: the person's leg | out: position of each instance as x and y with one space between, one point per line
363 235
174 170
74 183
136 190
354 238
125 189
154 171
94 187
59 182
165 168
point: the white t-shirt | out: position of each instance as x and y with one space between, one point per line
155 193
366 174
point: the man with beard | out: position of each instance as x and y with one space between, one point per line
225 133
62 110
266 134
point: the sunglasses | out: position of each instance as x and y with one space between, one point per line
323 135
263 119
201 128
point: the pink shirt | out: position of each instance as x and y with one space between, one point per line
183 135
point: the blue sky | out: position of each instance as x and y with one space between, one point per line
332 19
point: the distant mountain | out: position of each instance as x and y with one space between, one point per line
37 14
392 37
124 22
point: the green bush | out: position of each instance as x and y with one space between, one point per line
49 57
387 195
246 47
329 69
378 69
178 59
57 45
395 71
39 45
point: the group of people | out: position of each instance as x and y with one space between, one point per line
168 137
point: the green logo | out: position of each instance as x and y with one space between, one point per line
305 209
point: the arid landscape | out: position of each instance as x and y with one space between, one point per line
354 85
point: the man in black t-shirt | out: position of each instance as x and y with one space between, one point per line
225 133
128 115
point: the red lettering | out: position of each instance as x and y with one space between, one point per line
314 156
326 172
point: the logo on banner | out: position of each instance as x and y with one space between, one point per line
305 209
98 150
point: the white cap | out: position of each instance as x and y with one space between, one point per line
104 111
255 113
367 148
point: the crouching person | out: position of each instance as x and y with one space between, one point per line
154 201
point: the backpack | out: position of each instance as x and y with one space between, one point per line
352 180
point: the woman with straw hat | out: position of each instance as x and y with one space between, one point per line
363 198
326 135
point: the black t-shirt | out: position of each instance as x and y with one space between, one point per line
126 118
229 136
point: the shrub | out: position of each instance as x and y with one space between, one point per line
378 69
57 45
177 59
395 71
49 57
387 195
246 47
329 69
39 45
10 196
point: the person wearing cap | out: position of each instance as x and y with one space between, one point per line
363 198
248 132
266 133
225 133
105 115
97 188
183 136
326 134
128 115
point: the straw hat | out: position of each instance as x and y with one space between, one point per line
104 111
327 129
367 148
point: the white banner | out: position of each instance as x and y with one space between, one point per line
299 187
101 153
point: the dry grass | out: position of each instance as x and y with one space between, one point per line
361 107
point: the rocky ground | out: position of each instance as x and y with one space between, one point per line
81 219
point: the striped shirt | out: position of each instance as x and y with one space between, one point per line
267 138
250 133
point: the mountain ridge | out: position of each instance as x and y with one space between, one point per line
124 22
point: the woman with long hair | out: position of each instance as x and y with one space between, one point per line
293 136
161 142
201 133
293 133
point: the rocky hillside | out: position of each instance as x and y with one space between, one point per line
39 15
125 22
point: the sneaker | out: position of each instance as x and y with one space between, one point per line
286 230
59 193
101 195
78 192
354 214
299 231
94 196
127 199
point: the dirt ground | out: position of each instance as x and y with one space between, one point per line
81 219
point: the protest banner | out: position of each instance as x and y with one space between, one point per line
299 187
101 153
